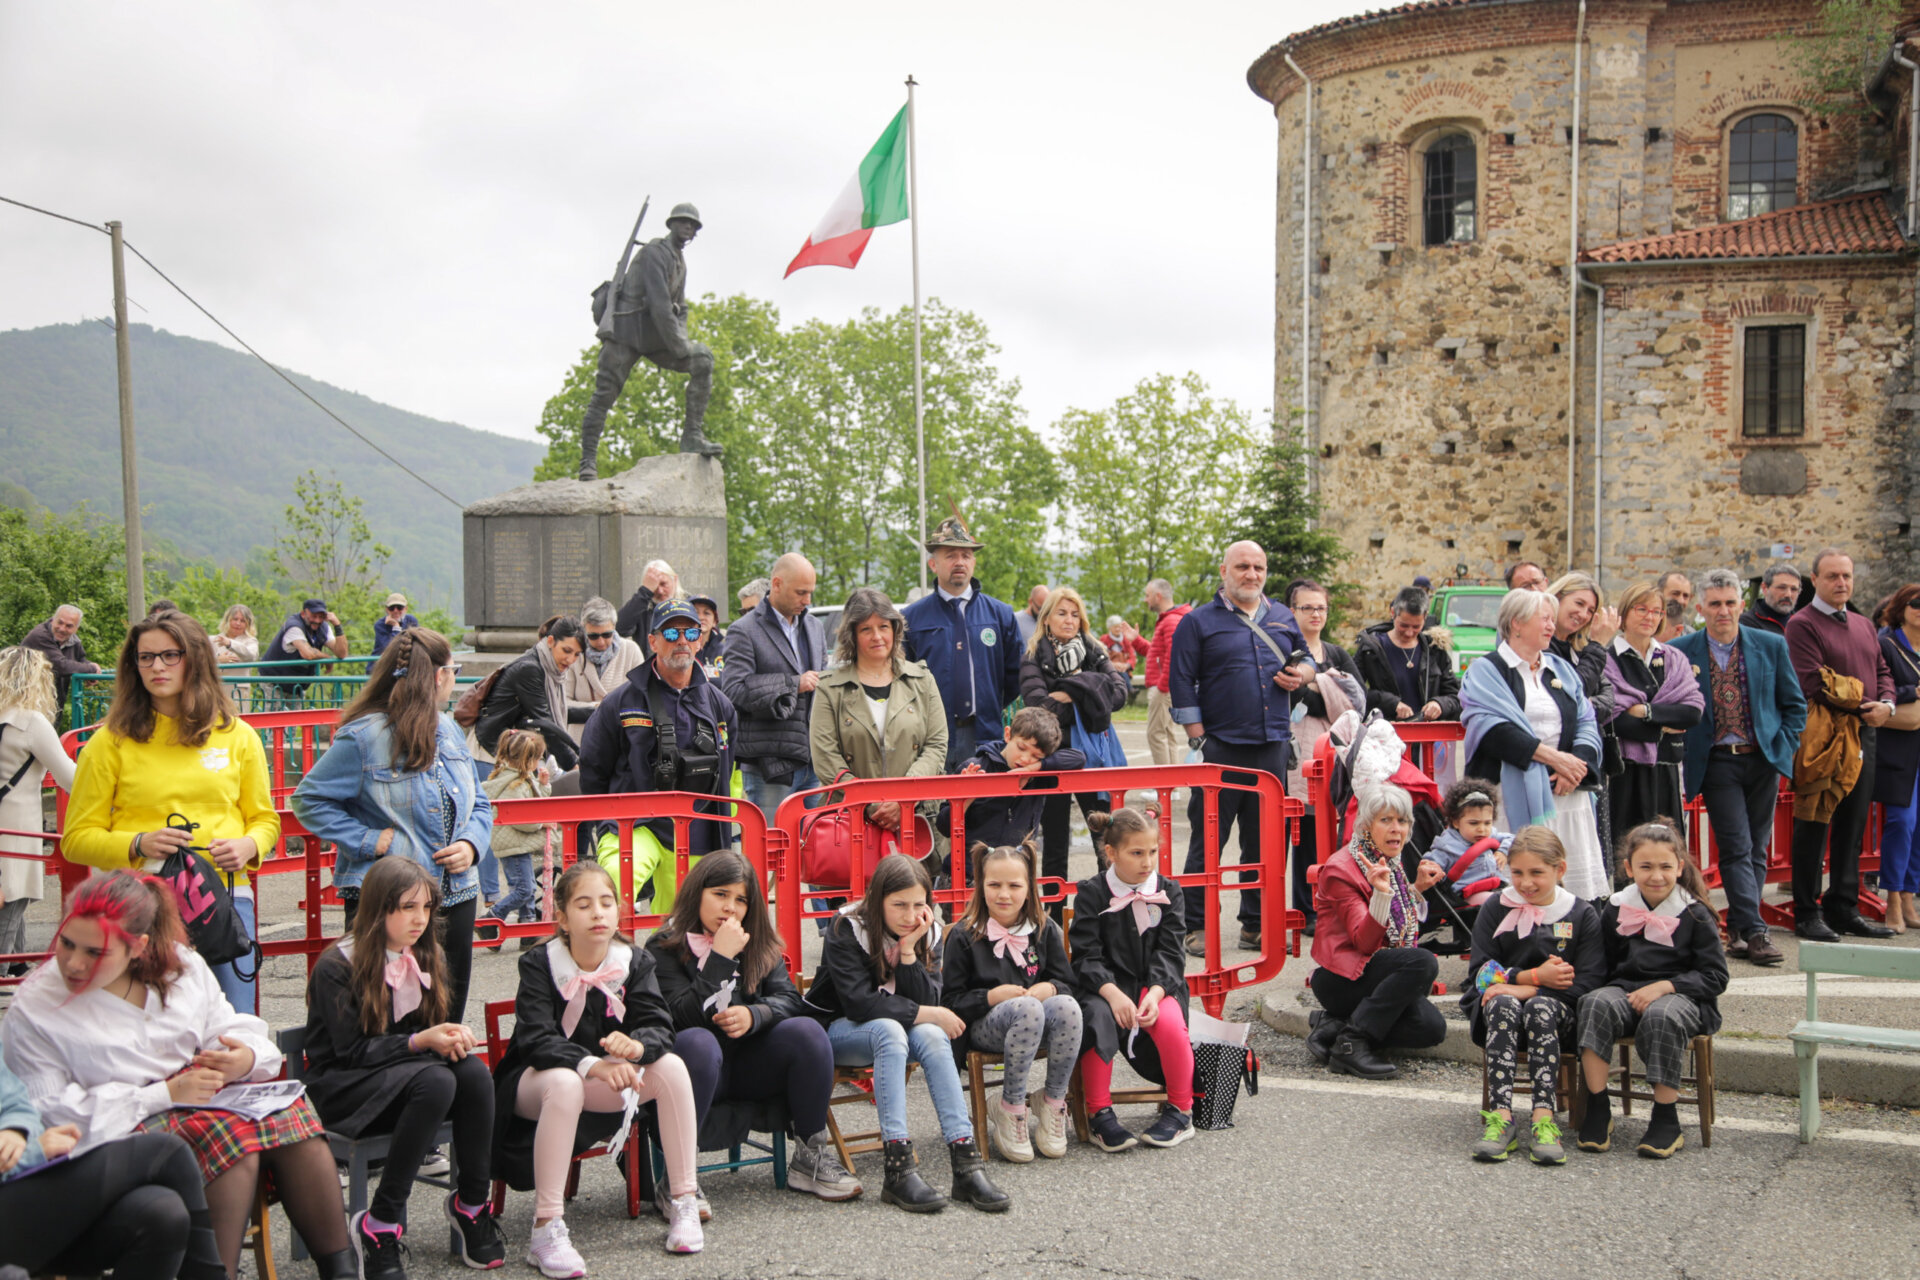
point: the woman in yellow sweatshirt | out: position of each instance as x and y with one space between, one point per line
173 745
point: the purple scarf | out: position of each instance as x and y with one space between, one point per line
1675 685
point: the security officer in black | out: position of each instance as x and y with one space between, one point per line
649 319
668 728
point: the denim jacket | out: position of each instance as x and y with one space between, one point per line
354 792
17 1112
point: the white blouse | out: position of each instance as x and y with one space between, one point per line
96 1061
1543 713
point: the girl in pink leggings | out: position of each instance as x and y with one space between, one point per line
591 1035
1127 942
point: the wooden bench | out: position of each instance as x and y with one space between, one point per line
1810 1033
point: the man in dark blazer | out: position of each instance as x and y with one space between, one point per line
774 657
1740 749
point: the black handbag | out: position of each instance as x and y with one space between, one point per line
206 906
1218 1070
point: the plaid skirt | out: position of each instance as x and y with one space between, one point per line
221 1139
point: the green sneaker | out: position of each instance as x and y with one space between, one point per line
1501 1139
1546 1142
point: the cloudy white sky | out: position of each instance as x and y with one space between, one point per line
414 200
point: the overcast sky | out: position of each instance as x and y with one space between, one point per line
413 201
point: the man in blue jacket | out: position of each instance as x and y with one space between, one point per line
1231 675
1740 749
968 641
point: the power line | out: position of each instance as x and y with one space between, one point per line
277 371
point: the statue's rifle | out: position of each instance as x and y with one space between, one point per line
620 273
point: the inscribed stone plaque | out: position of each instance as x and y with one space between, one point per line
512 567
573 571
1776 472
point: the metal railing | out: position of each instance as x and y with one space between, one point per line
253 686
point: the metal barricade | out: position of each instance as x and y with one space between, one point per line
1278 813
1706 855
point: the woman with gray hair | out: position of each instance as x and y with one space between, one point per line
877 715
1371 975
1530 725
603 666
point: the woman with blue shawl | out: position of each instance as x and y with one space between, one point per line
1530 724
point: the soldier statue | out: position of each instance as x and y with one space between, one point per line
647 316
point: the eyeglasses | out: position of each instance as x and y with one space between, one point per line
599 635
453 667
396 608
1649 611
163 657
670 634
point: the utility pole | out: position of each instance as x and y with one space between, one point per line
129 465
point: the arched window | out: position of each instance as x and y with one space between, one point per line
1452 182
1763 166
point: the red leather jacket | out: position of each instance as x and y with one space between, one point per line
1347 935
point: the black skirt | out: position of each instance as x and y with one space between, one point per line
1640 794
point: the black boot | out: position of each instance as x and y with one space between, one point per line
344 1265
203 1253
694 440
1663 1136
1596 1127
970 1183
1324 1030
1355 1055
904 1186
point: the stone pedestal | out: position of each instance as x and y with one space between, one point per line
548 547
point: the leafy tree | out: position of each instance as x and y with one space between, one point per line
207 591
48 560
1152 485
1836 58
1281 514
326 549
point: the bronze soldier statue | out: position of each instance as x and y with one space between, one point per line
648 317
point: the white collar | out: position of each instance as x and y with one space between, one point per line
1826 608
1563 900
851 914
1120 887
564 968
1511 656
346 949
963 596
1674 903
1622 646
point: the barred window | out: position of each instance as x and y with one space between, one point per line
1776 362
1763 166
1451 186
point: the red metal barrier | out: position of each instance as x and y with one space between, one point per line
1277 814
1706 853
1421 737
50 860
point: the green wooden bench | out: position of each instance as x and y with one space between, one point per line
1810 1033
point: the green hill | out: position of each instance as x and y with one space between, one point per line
221 440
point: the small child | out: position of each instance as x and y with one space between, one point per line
1006 973
1129 961
1668 970
878 991
1032 746
518 771
1536 951
1472 852
384 1058
591 1033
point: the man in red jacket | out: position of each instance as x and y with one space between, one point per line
1165 739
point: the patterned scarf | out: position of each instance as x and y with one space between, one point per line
1403 911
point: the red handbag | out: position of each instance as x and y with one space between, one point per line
826 842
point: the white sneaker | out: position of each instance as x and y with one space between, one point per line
1049 1129
663 1201
683 1228
1009 1130
552 1252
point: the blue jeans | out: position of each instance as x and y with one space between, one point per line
1741 792
242 994
520 895
1899 859
885 1045
766 796
489 869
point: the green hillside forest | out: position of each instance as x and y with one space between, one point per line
221 441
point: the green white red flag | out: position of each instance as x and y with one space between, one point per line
875 196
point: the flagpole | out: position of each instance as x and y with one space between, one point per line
919 422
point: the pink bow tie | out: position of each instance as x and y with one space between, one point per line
1005 940
405 980
1524 917
701 945
1657 928
1142 913
606 980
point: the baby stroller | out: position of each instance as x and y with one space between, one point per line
1360 752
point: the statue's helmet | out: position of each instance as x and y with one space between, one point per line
686 211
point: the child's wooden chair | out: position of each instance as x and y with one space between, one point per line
1620 1082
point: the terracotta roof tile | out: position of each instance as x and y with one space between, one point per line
1853 224
1376 15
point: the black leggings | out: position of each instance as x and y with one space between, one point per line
456 939
136 1207
793 1060
461 1092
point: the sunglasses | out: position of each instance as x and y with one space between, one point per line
396 608
671 634
599 635
453 667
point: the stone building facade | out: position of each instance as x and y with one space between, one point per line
1740 259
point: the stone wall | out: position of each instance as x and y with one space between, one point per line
1440 378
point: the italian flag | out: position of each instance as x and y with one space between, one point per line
875 196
